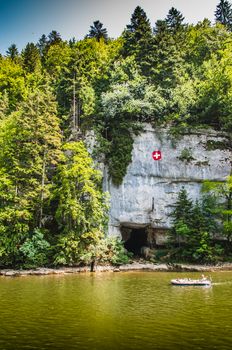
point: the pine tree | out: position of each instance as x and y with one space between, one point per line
54 38
138 40
42 45
72 42
12 52
181 215
183 207
160 28
140 24
174 20
199 242
222 194
97 31
31 58
223 14
193 227
170 49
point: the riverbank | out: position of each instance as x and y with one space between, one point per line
136 266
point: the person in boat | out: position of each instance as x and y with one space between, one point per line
204 278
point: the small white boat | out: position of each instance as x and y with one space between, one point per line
191 282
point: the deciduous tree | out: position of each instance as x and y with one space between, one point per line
30 142
82 207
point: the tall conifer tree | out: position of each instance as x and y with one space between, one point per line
174 19
223 14
97 31
31 58
138 39
170 44
43 46
54 38
12 52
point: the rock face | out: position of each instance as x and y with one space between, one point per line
150 187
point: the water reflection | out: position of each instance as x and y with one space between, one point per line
115 311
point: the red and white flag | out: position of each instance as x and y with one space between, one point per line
156 155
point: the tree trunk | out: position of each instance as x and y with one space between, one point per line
92 266
42 189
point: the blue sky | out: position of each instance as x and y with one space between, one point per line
23 21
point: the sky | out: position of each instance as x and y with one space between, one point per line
23 21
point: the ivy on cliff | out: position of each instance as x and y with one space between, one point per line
128 102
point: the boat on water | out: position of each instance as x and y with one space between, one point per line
191 282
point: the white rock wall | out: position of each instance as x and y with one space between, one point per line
160 181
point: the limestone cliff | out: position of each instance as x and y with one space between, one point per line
150 188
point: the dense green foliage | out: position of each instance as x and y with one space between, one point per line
97 31
222 194
82 208
52 209
195 225
223 14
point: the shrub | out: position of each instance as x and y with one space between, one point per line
113 251
186 155
107 250
35 250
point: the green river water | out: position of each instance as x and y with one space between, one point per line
128 310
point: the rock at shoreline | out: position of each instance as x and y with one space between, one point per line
109 268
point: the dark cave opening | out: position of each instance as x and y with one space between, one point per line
137 239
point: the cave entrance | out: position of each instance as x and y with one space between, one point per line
135 239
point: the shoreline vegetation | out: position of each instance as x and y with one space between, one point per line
68 107
135 266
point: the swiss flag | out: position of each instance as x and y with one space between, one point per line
156 155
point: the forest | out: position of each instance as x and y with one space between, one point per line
170 73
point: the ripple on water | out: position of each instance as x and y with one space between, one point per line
114 311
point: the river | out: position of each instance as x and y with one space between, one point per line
125 310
